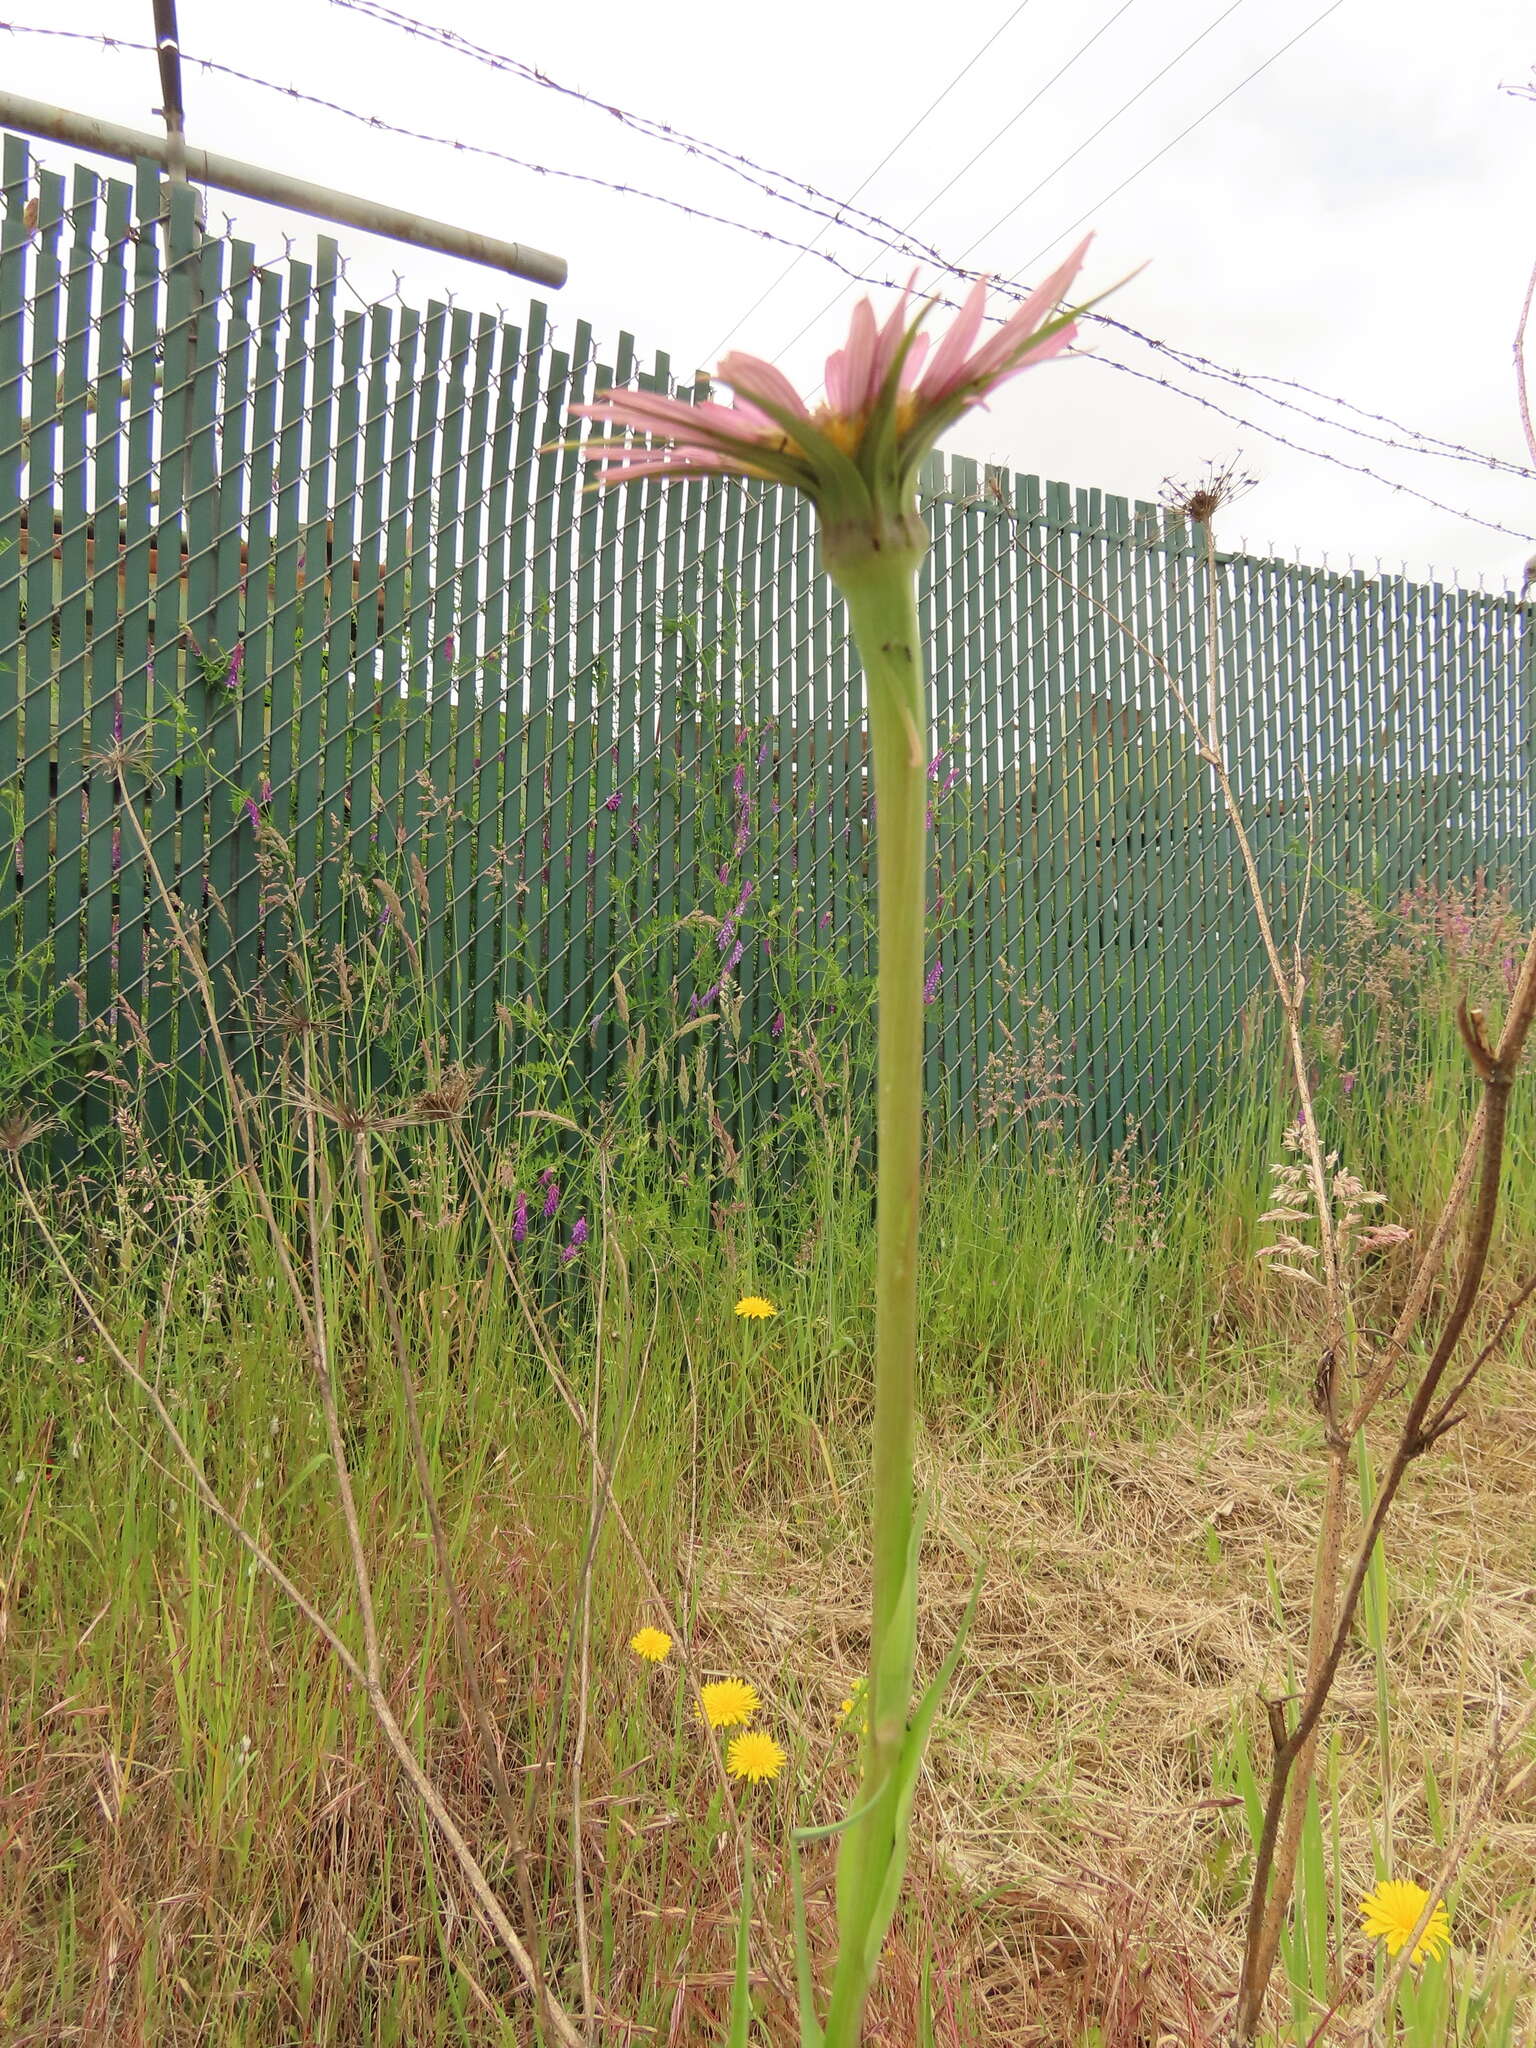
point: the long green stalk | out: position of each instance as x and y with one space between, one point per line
879 586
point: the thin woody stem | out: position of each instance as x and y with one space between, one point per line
1496 1067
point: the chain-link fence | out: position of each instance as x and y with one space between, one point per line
314 585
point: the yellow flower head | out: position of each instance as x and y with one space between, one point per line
728 1703
1390 1912
755 1308
755 1756
652 1644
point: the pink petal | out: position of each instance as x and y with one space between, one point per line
1008 341
851 381
889 342
911 369
1031 358
950 356
646 409
756 380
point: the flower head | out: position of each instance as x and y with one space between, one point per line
651 1643
520 1219
755 1308
754 1756
1390 1913
578 1239
551 1198
728 1703
887 402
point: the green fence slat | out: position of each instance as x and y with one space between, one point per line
347 709
466 890
232 831
15 272
104 823
37 692
70 774
519 803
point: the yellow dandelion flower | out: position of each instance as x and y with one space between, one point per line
755 1756
728 1703
1390 1912
755 1307
652 1644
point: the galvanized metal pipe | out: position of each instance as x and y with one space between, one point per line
275 188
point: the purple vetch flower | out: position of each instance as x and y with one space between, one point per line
825 920
726 933
763 752
725 871
773 808
776 1028
520 1218
931 985
256 804
741 900
949 781
236 664
739 780
935 765
578 1239
735 959
450 648
551 1198
612 803
928 817
743 734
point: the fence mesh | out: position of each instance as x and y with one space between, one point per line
312 588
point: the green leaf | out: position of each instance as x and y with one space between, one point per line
805 1982
906 1773
741 1994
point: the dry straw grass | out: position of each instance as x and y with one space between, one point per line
1126 1625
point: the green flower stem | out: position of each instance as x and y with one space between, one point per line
879 584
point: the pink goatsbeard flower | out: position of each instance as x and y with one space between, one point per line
755 435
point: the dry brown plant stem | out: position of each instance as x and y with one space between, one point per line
1495 1066
478 1714
426 1792
371 1676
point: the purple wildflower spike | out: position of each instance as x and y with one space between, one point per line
735 959
236 663
520 1218
931 985
578 1239
551 1200
612 803
776 1028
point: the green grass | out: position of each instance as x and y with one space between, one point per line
207 1839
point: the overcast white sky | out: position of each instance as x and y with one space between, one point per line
1360 217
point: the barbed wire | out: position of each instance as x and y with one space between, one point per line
896 239
1419 444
